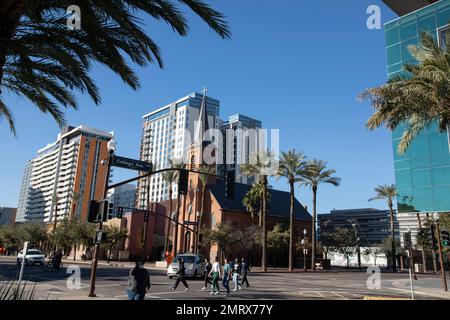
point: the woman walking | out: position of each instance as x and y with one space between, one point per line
215 273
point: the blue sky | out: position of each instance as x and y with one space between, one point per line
296 65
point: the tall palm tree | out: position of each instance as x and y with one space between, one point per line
170 177
204 175
292 167
417 99
55 200
262 165
42 59
316 173
252 200
389 193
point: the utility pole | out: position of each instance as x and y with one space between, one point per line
441 256
111 150
146 218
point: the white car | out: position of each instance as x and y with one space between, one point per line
194 265
33 256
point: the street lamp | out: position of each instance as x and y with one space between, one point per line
305 232
111 149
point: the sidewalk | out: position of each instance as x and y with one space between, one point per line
120 264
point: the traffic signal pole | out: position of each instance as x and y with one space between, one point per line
441 257
99 229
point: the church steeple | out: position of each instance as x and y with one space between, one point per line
202 122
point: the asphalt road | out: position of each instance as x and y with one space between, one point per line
112 283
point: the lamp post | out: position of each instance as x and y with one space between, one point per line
304 249
111 149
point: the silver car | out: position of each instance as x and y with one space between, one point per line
194 265
32 257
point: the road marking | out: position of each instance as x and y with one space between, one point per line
319 294
339 295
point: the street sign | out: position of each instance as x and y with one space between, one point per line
132 164
190 223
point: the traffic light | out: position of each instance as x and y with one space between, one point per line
107 211
183 182
119 212
94 208
433 238
445 236
407 240
146 216
230 185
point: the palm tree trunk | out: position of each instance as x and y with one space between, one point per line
424 258
200 219
291 229
394 254
166 242
75 252
313 230
264 225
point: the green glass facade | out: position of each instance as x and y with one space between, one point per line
423 173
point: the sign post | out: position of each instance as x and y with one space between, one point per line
132 164
24 251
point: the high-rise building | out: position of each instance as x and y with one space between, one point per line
423 173
167 135
7 216
371 225
24 192
67 174
123 196
246 138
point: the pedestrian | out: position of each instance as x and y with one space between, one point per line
57 259
215 273
245 270
181 273
208 267
227 276
138 282
236 273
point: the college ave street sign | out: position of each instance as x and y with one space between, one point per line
132 164
190 223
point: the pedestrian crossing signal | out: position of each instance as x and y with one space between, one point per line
94 208
445 236
119 212
183 182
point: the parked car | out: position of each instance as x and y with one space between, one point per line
32 257
193 263
2 251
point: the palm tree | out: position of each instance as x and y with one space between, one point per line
42 59
292 167
315 174
251 201
55 200
389 193
262 165
204 175
417 99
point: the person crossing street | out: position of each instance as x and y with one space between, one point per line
245 270
236 272
215 273
227 276
208 267
181 273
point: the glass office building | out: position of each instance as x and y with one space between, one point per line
423 172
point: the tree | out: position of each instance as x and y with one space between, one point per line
55 200
204 175
292 167
226 236
262 165
34 233
75 197
344 243
63 237
81 233
42 59
418 98
252 200
392 252
388 193
278 242
114 237
170 177
316 173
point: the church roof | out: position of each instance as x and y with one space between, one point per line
278 206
